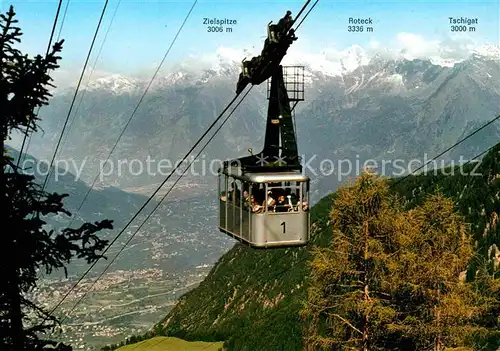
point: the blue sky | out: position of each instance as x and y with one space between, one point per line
143 30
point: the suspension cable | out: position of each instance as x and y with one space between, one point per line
54 25
133 112
89 78
307 14
38 111
76 93
21 156
448 149
156 207
63 20
83 93
145 204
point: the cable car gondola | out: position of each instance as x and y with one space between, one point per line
263 198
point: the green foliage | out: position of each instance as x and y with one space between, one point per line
475 189
390 278
346 305
23 87
435 251
26 245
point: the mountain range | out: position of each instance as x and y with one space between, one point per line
377 107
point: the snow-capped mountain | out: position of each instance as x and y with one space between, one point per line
225 63
488 51
115 83
356 104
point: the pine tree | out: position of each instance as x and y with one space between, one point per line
435 308
346 306
390 278
25 243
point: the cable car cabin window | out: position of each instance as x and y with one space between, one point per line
305 196
284 197
257 197
245 198
234 192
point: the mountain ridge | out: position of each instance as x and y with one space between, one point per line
227 63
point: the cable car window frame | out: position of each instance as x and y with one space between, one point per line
263 179
282 187
305 189
222 187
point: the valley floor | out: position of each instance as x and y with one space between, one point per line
162 343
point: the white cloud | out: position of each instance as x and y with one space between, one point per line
374 44
411 46
446 52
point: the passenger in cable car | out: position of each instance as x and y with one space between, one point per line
304 204
255 206
271 202
246 200
282 206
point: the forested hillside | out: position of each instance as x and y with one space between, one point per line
252 298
